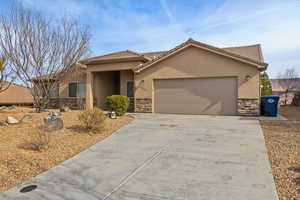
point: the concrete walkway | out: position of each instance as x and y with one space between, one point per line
164 157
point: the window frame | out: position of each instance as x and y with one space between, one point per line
76 86
127 88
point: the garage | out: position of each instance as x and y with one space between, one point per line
213 96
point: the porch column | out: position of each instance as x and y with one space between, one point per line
89 90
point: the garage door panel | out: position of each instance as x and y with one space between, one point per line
196 96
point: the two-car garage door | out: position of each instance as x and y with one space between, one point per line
216 96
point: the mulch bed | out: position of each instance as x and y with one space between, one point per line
18 165
283 145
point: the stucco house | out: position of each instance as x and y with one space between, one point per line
16 95
277 90
192 78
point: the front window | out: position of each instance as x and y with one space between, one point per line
130 89
77 89
52 89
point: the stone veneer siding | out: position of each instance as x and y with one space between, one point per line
71 102
248 107
143 105
131 104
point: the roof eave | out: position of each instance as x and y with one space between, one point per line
118 59
190 42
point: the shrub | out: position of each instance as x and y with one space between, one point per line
94 120
38 140
118 103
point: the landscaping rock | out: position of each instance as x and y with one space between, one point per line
27 118
296 99
3 107
53 123
12 120
54 113
64 109
3 124
12 107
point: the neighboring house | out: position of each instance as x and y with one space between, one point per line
277 90
192 78
16 95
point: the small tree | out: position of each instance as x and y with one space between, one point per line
40 50
6 75
288 81
266 85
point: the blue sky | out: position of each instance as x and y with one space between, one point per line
145 25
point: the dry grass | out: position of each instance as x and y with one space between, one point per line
18 165
38 138
283 144
291 112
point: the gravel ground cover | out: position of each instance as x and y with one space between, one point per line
283 144
18 165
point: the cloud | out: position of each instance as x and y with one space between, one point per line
163 24
60 8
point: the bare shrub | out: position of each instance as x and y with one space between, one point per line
41 50
38 139
7 75
93 120
288 81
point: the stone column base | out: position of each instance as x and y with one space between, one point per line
71 102
143 105
131 104
248 107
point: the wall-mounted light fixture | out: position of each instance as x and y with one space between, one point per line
247 77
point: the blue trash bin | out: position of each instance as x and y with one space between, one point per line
269 105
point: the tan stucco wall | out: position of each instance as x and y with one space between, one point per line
106 84
195 62
125 76
16 94
79 76
113 66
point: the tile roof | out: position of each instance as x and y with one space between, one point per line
114 55
154 54
251 54
251 51
277 87
227 52
16 94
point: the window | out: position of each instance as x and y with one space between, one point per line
77 89
52 89
130 89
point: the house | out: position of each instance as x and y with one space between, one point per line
192 78
277 90
16 95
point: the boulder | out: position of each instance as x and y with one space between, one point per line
54 113
12 107
64 109
27 118
12 120
2 107
3 124
296 99
53 123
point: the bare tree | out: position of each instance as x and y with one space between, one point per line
41 50
7 75
288 80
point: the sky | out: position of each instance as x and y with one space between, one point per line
145 25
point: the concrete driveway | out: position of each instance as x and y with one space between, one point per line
165 157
